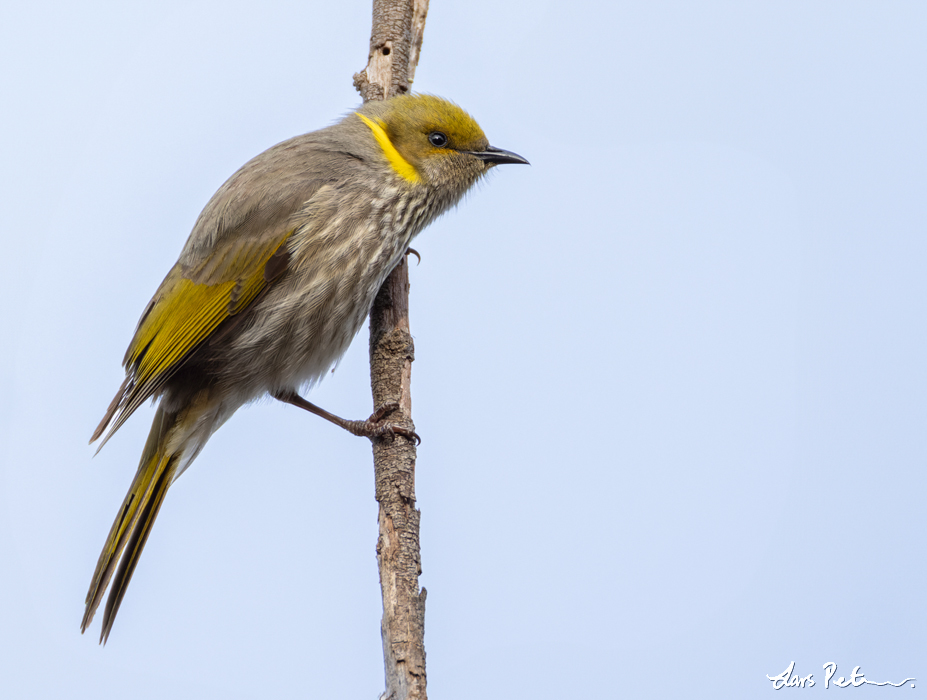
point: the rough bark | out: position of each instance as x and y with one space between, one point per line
395 43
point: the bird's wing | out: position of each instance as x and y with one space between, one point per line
235 252
188 307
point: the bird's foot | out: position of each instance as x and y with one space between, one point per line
375 427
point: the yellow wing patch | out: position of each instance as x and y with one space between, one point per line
185 315
187 312
190 305
403 168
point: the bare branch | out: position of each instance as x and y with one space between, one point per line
395 45
419 14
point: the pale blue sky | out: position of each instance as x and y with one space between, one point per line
670 378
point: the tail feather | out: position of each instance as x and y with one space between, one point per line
133 523
134 549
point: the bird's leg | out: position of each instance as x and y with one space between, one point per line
373 427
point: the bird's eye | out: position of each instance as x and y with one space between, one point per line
437 139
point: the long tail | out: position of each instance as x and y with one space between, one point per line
132 526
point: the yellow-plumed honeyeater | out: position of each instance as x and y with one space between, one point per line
275 280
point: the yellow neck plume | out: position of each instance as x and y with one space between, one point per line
400 165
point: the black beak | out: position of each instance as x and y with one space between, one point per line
497 156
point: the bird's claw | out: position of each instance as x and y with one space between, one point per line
375 427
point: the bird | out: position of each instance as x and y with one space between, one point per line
273 283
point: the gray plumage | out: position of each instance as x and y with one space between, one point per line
274 282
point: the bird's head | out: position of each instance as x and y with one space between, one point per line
428 140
